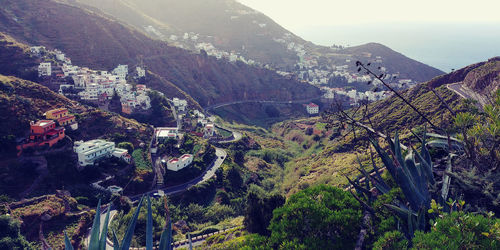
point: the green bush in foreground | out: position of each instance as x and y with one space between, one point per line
460 230
319 217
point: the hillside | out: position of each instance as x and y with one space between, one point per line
228 25
394 61
233 27
333 153
22 101
94 40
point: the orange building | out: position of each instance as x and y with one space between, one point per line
126 109
45 132
60 115
42 133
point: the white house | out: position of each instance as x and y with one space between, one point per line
180 104
59 55
91 92
45 69
140 72
37 50
121 153
163 134
91 151
177 164
312 108
122 88
121 71
199 114
209 130
81 81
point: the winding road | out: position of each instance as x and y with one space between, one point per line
221 155
466 93
219 105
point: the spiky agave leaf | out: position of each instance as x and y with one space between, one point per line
96 227
190 242
166 237
116 243
67 242
388 163
127 239
411 227
358 187
149 227
104 233
443 137
424 157
379 182
415 170
400 210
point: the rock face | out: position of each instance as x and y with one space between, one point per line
484 79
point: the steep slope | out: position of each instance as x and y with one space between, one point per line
394 61
91 39
484 79
15 60
335 154
22 101
228 25
234 27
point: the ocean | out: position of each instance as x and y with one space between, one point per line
445 46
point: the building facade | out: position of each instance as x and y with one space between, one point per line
312 108
45 69
177 164
61 115
91 151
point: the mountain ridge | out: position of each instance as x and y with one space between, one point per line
102 43
234 27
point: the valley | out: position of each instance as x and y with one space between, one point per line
207 125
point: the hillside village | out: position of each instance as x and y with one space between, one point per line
91 85
193 146
308 68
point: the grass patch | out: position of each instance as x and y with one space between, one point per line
141 160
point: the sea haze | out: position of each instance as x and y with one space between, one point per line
445 46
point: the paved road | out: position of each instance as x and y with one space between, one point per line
236 135
215 106
209 173
466 93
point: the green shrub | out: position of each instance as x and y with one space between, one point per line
218 212
460 230
10 234
126 145
393 240
319 217
140 160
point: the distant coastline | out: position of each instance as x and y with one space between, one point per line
445 46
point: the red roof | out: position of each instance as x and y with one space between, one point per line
312 105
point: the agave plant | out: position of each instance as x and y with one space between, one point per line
98 238
413 174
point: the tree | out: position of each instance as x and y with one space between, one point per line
126 145
10 234
239 157
319 217
259 210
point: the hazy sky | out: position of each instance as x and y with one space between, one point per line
293 14
442 33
